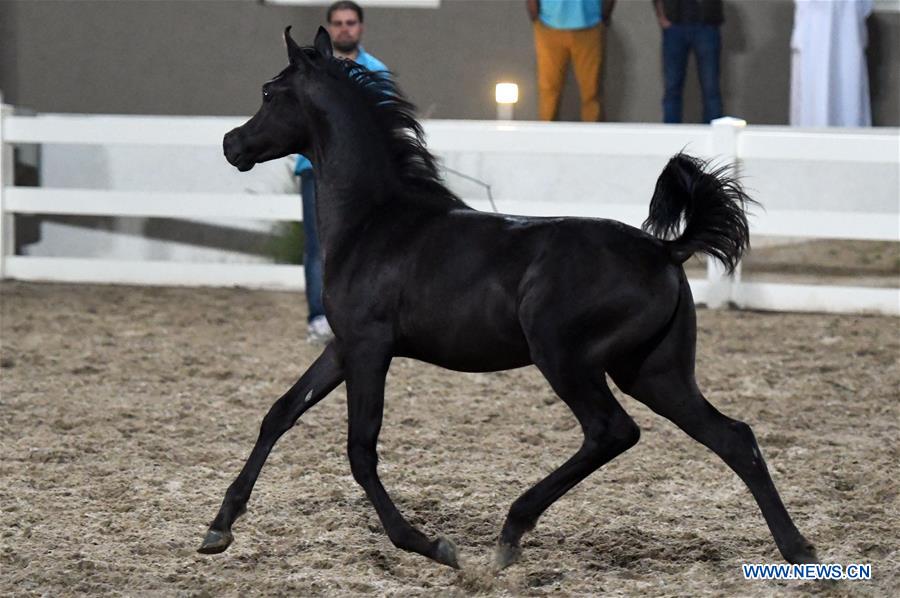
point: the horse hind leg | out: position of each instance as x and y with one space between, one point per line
608 432
664 381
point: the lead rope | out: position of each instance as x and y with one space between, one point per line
477 182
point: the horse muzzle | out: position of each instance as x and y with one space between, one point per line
235 151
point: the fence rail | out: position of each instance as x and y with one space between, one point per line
727 138
89 202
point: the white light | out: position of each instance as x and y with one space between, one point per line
507 93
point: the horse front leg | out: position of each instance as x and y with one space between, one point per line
366 369
323 376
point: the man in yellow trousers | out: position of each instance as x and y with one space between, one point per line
569 30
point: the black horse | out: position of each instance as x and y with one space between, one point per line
411 271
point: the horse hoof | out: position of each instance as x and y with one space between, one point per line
506 555
446 553
215 542
805 555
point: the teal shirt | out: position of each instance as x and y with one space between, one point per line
570 14
370 62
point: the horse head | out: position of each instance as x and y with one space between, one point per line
281 126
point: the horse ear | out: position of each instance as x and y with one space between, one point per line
323 43
295 54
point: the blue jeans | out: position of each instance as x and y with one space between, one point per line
312 252
706 42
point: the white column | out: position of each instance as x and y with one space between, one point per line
7 232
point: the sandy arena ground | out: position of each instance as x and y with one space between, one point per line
126 412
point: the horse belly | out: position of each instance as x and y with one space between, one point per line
472 342
466 358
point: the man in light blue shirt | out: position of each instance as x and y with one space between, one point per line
569 30
345 25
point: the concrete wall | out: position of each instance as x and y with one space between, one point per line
210 57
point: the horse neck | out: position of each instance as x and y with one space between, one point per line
352 173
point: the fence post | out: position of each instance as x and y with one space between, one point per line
7 232
723 289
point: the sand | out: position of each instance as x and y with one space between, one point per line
125 413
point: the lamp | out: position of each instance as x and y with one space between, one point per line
506 94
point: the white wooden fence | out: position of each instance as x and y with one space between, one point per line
728 139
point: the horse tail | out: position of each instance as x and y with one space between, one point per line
711 202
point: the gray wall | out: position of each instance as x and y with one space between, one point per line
210 57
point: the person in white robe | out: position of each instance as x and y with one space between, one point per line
829 77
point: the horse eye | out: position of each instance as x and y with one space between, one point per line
266 95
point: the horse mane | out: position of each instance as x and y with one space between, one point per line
417 168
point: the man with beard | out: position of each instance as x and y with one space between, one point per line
345 25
